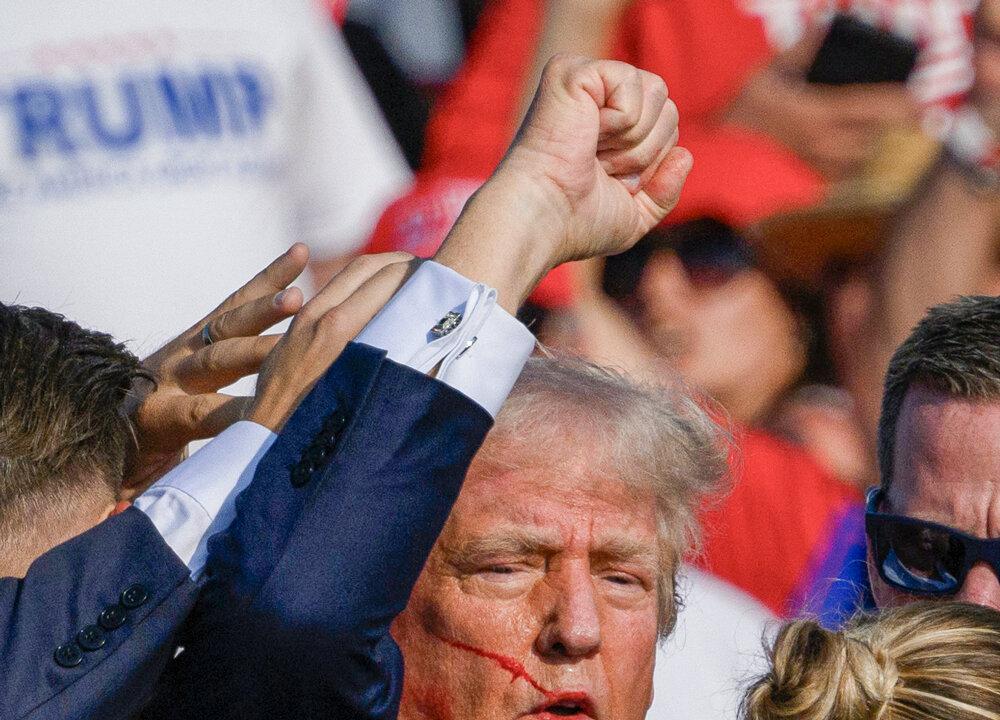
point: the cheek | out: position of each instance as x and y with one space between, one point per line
463 652
628 655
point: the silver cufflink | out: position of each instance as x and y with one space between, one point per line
446 324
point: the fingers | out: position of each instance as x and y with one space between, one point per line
638 125
662 191
365 302
621 108
255 316
347 281
209 414
321 331
272 279
640 157
223 363
267 283
617 131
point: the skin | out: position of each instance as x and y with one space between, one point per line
718 335
947 470
573 604
832 128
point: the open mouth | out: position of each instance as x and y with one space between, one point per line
572 705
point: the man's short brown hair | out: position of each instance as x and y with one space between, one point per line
63 432
954 349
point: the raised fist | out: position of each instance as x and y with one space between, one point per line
599 143
593 168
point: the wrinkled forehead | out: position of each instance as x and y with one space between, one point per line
947 460
583 512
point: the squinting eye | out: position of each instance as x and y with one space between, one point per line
624 580
500 570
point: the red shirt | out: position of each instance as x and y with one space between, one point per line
786 527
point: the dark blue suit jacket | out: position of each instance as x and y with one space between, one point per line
125 589
328 542
327 545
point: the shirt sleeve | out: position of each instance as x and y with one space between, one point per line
197 498
439 319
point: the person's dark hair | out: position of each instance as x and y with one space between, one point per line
63 432
954 349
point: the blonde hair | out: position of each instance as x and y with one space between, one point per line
922 661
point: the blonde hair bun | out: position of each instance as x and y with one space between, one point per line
921 661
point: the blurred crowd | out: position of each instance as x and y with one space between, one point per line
845 180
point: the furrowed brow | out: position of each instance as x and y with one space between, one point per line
511 542
625 549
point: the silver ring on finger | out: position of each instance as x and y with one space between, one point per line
206 335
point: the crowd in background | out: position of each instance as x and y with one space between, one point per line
818 224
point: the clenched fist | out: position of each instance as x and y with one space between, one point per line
600 143
594 167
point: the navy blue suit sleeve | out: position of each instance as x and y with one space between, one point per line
119 580
328 542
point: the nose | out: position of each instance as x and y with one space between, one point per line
981 587
573 626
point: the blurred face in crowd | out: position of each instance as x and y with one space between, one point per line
730 334
538 601
947 470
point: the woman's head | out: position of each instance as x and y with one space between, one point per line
922 661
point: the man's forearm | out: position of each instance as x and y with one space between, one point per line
516 250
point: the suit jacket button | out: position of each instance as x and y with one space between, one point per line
68 655
300 475
91 638
112 618
317 454
335 422
134 596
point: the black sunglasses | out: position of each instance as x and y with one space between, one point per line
921 557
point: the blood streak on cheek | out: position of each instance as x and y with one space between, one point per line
515 668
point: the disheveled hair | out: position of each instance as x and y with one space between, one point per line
650 437
927 660
954 349
63 434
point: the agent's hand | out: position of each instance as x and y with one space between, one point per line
834 129
321 330
593 168
185 404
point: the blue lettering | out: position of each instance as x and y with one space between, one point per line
223 85
254 95
191 103
131 130
39 118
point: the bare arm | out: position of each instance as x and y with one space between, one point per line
940 246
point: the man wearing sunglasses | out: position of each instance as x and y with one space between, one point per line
934 523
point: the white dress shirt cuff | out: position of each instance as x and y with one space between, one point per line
442 320
197 498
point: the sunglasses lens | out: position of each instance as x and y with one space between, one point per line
920 558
